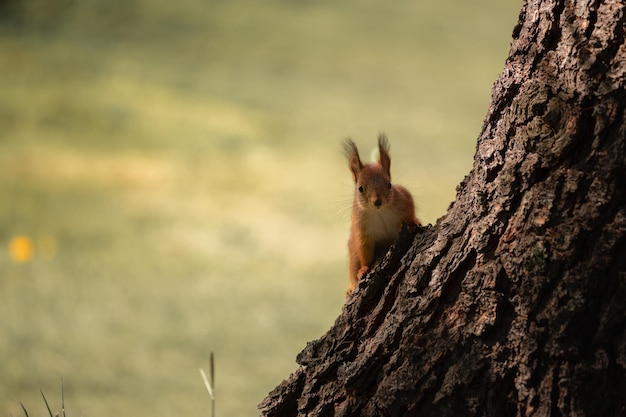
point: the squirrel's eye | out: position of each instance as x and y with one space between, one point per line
361 189
389 186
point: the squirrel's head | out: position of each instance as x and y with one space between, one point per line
373 180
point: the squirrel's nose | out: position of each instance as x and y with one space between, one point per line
378 202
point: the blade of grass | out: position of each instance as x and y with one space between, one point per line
207 384
210 386
62 399
212 370
46 401
24 408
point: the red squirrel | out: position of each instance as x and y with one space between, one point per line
378 211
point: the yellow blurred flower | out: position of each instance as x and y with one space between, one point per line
21 249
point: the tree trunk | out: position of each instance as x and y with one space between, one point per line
514 303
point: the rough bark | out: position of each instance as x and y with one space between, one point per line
514 303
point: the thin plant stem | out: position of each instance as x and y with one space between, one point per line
47 405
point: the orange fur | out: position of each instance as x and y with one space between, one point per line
378 211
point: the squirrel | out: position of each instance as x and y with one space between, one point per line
378 211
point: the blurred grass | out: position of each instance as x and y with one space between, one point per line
177 167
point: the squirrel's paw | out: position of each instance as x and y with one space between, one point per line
362 272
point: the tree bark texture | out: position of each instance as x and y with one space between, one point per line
514 303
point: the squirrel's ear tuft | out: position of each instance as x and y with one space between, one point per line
383 153
352 154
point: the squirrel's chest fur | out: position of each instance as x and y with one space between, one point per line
381 226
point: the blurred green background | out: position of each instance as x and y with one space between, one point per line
172 181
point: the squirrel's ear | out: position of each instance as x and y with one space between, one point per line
354 161
383 153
